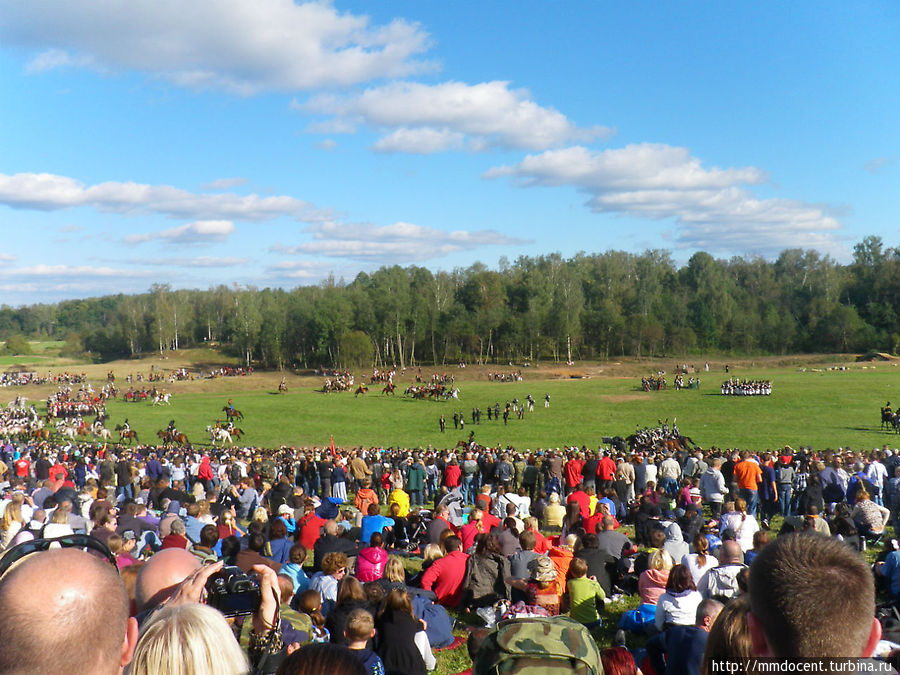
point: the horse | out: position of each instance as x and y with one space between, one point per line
887 418
237 432
361 389
389 388
161 398
127 434
282 388
219 434
232 412
169 438
41 434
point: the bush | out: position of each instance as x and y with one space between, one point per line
17 345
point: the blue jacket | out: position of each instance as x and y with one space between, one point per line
677 650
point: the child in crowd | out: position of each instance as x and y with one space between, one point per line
584 595
294 568
360 629
310 603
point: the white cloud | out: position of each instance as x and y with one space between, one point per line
224 184
50 192
200 261
712 207
240 46
419 141
192 233
8 257
299 269
80 271
400 242
71 229
326 144
486 114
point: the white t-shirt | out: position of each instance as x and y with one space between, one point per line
690 561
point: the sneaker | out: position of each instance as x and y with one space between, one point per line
619 638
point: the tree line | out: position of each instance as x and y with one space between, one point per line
589 306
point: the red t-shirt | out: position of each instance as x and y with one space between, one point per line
23 466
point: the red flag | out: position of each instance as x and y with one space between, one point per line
332 446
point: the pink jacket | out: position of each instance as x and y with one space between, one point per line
370 564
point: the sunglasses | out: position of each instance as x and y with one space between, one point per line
84 542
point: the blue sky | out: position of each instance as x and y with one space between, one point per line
272 143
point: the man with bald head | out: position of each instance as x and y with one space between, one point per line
65 610
160 577
720 583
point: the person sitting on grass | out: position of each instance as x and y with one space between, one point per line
371 561
360 629
541 588
294 568
678 605
584 595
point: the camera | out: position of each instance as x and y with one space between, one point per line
233 592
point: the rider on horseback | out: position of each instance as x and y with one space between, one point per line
125 425
171 430
230 405
886 410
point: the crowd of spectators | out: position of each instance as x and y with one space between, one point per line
501 533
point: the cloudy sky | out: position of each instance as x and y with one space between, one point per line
271 143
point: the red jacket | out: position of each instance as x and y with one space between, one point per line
452 475
584 502
573 472
310 527
606 468
445 578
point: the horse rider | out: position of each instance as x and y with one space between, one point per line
125 425
171 430
229 426
886 410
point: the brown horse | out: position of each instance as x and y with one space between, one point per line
127 434
232 412
169 438
361 389
41 434
389 388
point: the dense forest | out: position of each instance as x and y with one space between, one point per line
591 306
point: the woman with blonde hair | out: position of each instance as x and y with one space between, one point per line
228 526
189 639
12 522
653 580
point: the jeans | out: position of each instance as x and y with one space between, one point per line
415 497
469 489
752 499
784 499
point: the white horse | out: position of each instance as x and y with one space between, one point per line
162 398
218 434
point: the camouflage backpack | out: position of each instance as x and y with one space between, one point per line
538 646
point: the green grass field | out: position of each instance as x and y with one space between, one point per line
821 409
